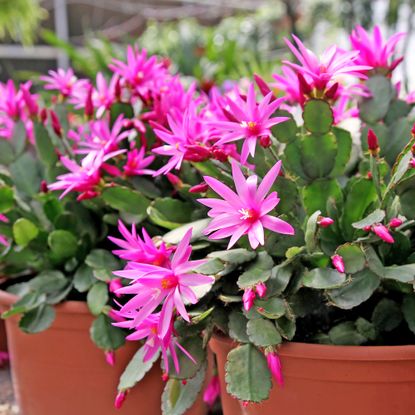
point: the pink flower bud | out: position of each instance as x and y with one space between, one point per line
174 180
372 142
114 285
412 163
324 222
248 298
212 391
89 194
245 404
383 232
338 263
261 289
220 155
89 106
265 141
305 88
164 377
274 365
199 188
331 92
43 115
56 124
110 357
367 228
119 399
44 186
196 153
395 223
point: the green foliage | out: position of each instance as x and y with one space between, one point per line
105 335
318 116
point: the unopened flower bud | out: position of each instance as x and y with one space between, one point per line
265 141
164 377
110 357
89 105
89 194
114 285
305 88
44 186
338 263
395 223
174 180
199 188
383 232
274 365
261 289
248 298
367 228
372 142
120 398
413 130
184 382
412 163
219 154
245 404
212 391
56 124
43 116
324 222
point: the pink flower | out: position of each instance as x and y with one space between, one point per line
140 250
140 73
212 391
119 399
261 290
137 162
289 85
248 120
395 223
110 357
105 93
373 50
63 81
153 285
248 298
84 178
186 139
274 365
244 212
324 222
383 232
332 65
338 263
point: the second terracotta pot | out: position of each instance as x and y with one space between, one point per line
61 372
327 380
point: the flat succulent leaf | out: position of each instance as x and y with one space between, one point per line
177 398
101 259
234 256
286 131
24 231
318 116
376 107
400 130
6 153
170 213
387 315
26 175
292 160
48 281
311 231
243 365
373 261
37 319
126 200
407 203
262 332
344 151
286 327
366 328
176 235
63 244
83 278
324 278
316 194
44 145
188 369
105 335
346 334
353 257
212 267
29 301
280 277
360 289
375 217
6 198
403 273
397 109
271 308
408 310
258 271
97 297
136 369
318 154
237 327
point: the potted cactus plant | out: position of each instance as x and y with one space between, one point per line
282 241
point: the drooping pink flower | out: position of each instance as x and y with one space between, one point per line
373 50
244 212
110 357
248 120
137 163
140 72
331 66
153 285
83 178
248 298
212 391
186 139
199 188
275 367
136 249
62 80
338 263
324 222
383 232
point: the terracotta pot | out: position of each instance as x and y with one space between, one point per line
60 371
3 338
326 380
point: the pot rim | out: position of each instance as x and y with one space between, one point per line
334 352
66 307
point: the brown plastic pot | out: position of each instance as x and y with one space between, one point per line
61 372
327 380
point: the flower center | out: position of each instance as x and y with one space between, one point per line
169 282
253 128
248 214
